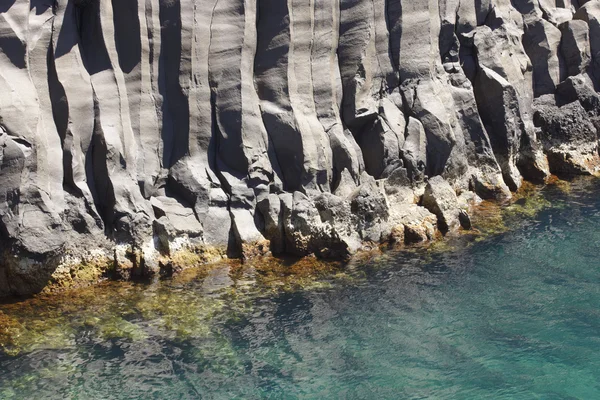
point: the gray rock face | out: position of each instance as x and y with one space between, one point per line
590 13
575 47
313 126
441 200
569 136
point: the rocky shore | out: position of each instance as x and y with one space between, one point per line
140 137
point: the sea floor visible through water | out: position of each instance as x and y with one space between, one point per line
511 312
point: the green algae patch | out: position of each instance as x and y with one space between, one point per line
491 218
563 186
18 336
217 355
292 273
527 207
129 314
185 307
181 315
180 308
10 330
118 328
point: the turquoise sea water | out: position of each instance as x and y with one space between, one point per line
514 316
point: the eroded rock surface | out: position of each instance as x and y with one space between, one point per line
133 129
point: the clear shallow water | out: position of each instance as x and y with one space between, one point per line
515 316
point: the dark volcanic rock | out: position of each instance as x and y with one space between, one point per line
134 130
569 137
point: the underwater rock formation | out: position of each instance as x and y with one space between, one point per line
131 129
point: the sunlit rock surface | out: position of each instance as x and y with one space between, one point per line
131 129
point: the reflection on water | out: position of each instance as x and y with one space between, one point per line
514 316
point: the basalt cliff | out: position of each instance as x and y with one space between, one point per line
131 130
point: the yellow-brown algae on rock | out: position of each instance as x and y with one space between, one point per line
491 218
80 273
290 272
109 311
126 263
188 257
563 186
32 328
9 331
182 307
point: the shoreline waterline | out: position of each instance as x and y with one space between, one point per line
268 274
126 264
499 314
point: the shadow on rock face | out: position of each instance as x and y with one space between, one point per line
20 276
